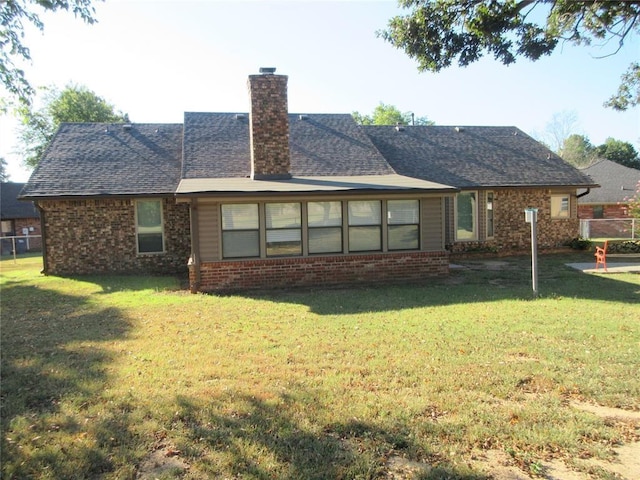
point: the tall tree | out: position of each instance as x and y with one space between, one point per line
4 176
73 104
13 15
577 150
438 32
620 152
385 114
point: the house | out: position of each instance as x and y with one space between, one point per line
617 185
18 219
274 199
602 211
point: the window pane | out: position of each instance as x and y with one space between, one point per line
240 244
365 212
240 217
150 243
325 240
284 242
559 205
282 215
466 216
324 214
489 214
403 237
402 212
149 213
363 239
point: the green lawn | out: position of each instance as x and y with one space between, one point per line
99 372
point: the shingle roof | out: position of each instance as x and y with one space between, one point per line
11 207
216 145
617 182
86 159
469 157
146 159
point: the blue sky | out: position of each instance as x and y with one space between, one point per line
157 59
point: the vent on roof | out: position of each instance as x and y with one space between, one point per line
127 126
267 70
303 117
459 129
399 127
240 116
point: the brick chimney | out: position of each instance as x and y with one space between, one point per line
269 126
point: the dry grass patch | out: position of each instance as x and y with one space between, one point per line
102 376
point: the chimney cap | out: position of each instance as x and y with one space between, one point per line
267 70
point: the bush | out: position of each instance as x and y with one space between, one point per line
579 243
627 246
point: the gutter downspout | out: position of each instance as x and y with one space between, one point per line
584 193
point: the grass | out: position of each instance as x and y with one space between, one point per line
99 372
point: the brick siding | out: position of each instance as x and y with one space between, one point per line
99 236
608 211
270 157
511 232
319 271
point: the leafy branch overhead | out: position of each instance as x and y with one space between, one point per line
436 33
15 15
73 104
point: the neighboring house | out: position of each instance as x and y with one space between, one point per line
19 219
602 211
272 199
617 185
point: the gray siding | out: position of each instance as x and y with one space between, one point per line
432 223
209 226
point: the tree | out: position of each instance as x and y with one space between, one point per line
14 14
4 176
73 104
389 115
577 150
437 32
618 151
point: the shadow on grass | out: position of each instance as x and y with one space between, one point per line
240 436
479 280
49 357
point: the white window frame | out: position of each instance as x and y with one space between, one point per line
140 230
474 217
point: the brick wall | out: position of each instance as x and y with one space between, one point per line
608 211
319 271
512 233
269 126
35 244
99 236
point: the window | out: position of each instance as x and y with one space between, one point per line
324 220
149 226
365 231
403 219
283 229
466 214
240 230
598 211
490 231
560 206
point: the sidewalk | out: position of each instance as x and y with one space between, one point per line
612 267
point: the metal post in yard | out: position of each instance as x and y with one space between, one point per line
531 216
